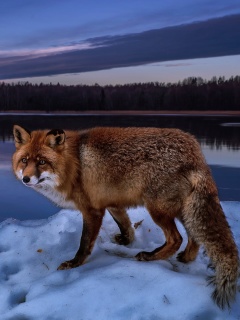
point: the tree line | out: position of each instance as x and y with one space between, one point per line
193 93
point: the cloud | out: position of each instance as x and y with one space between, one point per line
44 51
177 65
212 38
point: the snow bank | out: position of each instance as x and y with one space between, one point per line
111 285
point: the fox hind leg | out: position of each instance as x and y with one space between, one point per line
190 252
121 218
173 238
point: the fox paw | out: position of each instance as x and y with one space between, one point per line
122 240
69 265
184 257
143 256
181 257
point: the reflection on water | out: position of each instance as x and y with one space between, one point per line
213 130
221 155
219 138
231 124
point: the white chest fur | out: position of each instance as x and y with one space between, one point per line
58 198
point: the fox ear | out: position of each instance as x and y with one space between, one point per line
55 137
21 136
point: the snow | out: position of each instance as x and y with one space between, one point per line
112 284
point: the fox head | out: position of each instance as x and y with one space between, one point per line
36 156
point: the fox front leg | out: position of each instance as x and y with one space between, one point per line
91 226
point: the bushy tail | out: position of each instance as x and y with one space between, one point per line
206 223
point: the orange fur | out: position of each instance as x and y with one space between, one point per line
115 168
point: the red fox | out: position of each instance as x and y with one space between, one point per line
116 168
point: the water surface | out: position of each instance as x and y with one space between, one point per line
219 137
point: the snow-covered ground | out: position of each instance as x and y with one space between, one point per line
112 284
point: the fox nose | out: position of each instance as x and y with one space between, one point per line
26 179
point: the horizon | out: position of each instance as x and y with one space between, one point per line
38 81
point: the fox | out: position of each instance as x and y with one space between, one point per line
114 168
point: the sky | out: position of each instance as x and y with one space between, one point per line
117 42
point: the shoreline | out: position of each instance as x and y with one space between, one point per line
124 112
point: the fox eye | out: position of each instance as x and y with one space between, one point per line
42 162
24 160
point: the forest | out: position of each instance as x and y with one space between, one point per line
193 93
